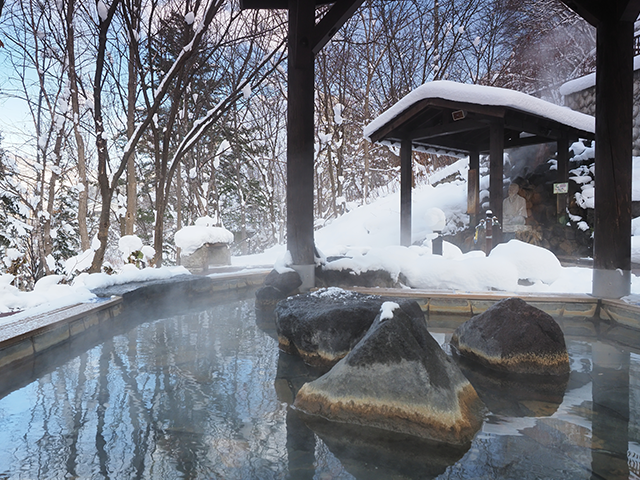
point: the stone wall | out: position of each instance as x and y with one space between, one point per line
585 101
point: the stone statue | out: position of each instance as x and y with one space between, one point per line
514 209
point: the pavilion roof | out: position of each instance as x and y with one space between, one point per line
453 117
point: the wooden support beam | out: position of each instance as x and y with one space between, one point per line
406 183
496 159
614 121
338 14
419 107
300 140
473 188
563 176
448 129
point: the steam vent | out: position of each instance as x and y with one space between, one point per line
513 336
397 378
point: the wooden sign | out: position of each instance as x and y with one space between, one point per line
561 188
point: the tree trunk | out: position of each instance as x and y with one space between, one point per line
75 107
132 191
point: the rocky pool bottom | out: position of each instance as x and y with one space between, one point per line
206 394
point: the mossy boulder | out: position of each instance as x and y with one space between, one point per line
513 336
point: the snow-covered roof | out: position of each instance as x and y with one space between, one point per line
484 95
588 81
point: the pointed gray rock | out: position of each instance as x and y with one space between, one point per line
397 378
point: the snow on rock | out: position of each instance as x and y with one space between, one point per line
484 95
190 238
532 262
148 252
282 263
189 18
129 244
386 310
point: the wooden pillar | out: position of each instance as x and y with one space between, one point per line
406 177
610 394
614 117
496 156
473 188
300 131
562 145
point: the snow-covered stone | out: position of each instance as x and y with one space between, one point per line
190 238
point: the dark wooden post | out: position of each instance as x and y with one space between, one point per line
406 177
610 405
496 194
614 117
473 188
562 146
300 131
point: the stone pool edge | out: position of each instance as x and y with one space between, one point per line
434 302
27 337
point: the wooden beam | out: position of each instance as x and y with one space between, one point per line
338 14
473 188
419 108
614 121
300 134
597 11
448 129
272 4
563 175
496 168
587 9
398 121
406 183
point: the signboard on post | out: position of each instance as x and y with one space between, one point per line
559 188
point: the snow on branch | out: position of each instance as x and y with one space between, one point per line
204 123
187 52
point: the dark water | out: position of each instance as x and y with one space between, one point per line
205 395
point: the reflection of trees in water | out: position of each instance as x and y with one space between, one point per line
190 396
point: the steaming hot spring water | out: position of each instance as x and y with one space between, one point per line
206 394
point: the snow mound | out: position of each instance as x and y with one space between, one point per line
531 262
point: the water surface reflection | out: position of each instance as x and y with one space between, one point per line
206 395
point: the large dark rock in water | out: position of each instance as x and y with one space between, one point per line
323 326
513 336
372 453
277 286
399 379
515 395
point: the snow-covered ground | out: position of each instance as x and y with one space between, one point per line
369 235
367 238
